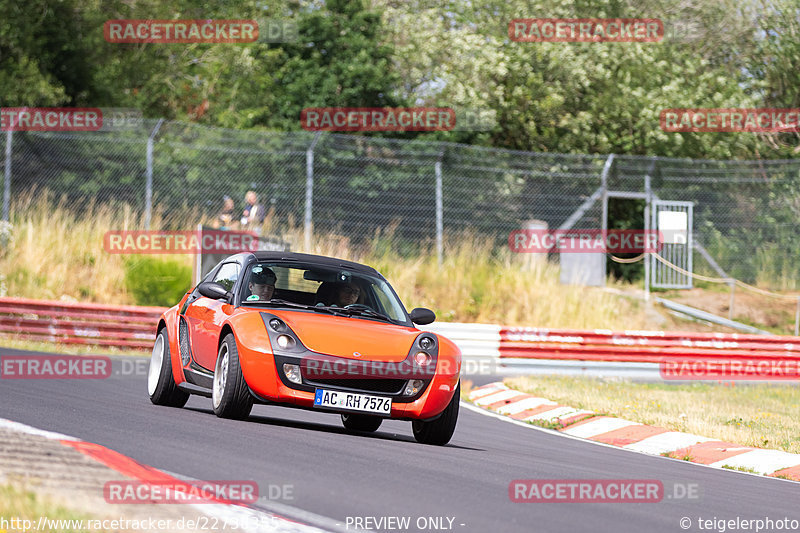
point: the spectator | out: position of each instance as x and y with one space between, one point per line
253 213
225 219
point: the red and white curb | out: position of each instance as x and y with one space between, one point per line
247 518
634 436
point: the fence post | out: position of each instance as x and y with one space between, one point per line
439 211
647 228
797 319
604 219
309 221
7 182
148 194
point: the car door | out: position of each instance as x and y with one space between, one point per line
205 316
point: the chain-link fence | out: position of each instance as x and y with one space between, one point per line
745 212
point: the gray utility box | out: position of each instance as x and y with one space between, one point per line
583 269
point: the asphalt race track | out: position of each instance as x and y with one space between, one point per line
337 475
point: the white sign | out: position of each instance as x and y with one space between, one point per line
673 226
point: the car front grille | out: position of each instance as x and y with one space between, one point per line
385 386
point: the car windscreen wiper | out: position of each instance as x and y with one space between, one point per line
370 313
286 303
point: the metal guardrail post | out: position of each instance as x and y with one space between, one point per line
308 223
7 182
148 194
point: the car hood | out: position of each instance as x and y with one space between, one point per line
344 336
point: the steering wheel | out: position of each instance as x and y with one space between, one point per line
358 306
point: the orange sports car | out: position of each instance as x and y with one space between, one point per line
310 332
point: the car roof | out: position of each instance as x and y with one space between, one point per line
309 259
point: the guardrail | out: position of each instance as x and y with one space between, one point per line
122 326
134 327
641 346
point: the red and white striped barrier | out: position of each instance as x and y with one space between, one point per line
134 327
123 326
746 355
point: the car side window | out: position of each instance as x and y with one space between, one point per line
227 275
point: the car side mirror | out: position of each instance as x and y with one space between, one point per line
422 316
215 291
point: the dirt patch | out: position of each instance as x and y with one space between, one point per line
761 311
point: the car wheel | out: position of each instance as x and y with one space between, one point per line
230 395
439 431
160 384
365 423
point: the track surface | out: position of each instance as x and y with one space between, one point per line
335 474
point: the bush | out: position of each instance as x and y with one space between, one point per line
154 281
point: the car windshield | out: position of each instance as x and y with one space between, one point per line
322 289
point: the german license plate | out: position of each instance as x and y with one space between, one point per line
350 401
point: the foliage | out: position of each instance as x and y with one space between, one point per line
154 281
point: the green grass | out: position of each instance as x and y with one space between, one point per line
26 505
740 469
68 349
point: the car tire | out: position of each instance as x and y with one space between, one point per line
230 395
161 385
439 431
366 423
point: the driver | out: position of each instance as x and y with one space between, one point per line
346 294
262 283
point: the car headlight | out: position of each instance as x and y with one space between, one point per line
422 358
426 343
285 341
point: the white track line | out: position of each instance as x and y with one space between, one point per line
497 397
666 442
523 405
762 461
597 426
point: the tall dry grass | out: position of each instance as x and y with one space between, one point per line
56 254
